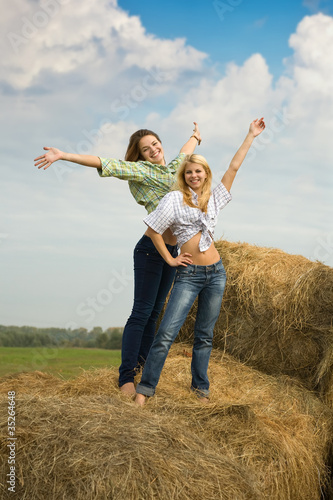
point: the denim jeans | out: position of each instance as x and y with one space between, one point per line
153 278
206 282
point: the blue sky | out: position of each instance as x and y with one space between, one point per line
75 76
229 30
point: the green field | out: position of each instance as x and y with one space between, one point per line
62 362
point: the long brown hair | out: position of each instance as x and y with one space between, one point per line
133 152
184 188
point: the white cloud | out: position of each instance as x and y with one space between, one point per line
259 23
312 61
220 106
314 5
95 38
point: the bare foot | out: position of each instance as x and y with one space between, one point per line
140 399
204 400
128 389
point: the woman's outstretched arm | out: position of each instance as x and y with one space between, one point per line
256 127
54 154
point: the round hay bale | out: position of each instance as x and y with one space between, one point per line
98 448
270 421
260 437
276 315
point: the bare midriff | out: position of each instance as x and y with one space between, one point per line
206 258
168 237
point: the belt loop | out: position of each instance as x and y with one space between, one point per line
195 269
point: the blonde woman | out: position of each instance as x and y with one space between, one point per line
190 212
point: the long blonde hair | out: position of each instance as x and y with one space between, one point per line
184 188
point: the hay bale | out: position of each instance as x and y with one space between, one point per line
100 447
276 315
30 382
260 437
269 421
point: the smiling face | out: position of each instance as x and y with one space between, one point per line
195 176
151 150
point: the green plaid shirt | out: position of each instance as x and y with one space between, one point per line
147 181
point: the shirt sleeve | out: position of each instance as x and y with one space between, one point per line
161 218
221 196
126 170
174 165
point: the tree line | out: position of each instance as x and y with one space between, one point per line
30 336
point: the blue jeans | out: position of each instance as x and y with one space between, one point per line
206 282
153 278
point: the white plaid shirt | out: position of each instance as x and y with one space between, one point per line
184 221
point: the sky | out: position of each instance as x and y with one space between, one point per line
84 75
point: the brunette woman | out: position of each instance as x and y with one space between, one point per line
149 178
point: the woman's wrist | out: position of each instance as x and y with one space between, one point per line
249 137
197 138
171 262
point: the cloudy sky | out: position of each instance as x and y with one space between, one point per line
83 75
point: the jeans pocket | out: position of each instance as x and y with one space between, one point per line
184 272
145 246
222 271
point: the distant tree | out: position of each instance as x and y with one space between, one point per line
97 330
115 339
102 340
77 342
29 336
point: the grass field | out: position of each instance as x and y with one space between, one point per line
62 362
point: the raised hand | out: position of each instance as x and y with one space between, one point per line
196 132
44 161
257 126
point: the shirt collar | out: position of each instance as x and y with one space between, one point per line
194 195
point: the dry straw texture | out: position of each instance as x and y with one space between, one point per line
259 438
276 315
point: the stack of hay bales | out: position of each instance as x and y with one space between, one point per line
276 315
264 435
261 437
